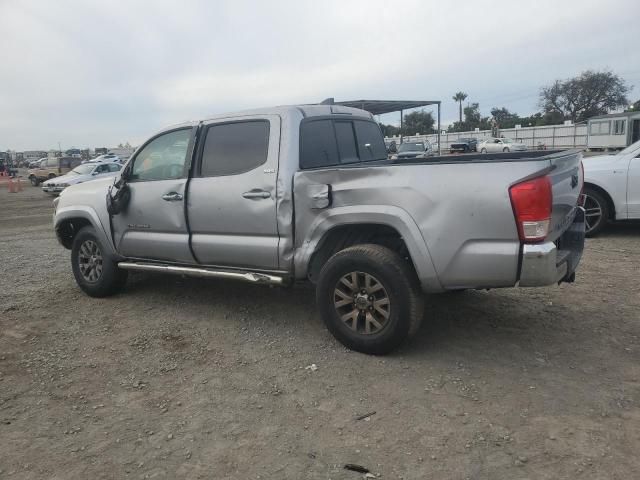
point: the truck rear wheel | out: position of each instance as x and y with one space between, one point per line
95 273
369 298
34 180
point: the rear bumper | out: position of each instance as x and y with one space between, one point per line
554 262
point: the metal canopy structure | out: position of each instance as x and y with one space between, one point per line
379 107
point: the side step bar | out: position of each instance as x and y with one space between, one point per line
252 277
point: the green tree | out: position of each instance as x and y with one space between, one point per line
504 118
460 97
418 122
389 130
472 120
590 93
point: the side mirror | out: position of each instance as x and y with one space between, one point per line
95 173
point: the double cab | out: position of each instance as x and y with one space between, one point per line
307 193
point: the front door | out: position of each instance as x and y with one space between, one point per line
232 195
633 188
153 226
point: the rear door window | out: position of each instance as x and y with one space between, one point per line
318 145
234 148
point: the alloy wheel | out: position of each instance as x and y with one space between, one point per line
90 261
593 212
362 303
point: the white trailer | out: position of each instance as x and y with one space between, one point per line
613 131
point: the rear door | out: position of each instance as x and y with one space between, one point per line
232 195
153 226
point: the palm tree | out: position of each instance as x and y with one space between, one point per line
460 97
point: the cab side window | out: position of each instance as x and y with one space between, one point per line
164 158
233 148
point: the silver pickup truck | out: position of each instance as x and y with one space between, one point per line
306 192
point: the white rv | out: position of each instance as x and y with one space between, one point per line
613 131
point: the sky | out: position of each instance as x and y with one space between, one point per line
97 73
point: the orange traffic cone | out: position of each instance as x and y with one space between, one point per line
14 185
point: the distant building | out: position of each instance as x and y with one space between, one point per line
613 131
32 155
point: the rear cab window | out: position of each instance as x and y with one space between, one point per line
326 142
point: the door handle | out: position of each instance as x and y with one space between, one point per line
256 194
172 197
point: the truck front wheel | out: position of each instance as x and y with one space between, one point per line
369 298
95 273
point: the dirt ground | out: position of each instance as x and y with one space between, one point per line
186 378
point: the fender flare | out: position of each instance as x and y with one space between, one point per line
391 216
87 213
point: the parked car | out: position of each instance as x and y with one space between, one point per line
82 173
226 198
494 145
464 145
37 163
612 188
413 150
52 167
107 157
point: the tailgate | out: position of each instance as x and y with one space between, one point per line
566 182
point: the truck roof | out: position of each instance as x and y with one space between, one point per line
300 111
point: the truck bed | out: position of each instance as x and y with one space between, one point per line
464 215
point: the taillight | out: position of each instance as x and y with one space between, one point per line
531 202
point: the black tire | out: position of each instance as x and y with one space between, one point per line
34 181
593 200
399 284
110 278
51 175
484 150
506 149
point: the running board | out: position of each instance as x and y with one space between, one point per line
252 277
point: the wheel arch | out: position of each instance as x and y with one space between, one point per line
610 203
69 221
382 225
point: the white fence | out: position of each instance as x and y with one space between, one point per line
551 136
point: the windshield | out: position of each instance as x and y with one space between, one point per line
83 169
507 140
412 147
630 149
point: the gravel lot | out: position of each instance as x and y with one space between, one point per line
186 378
